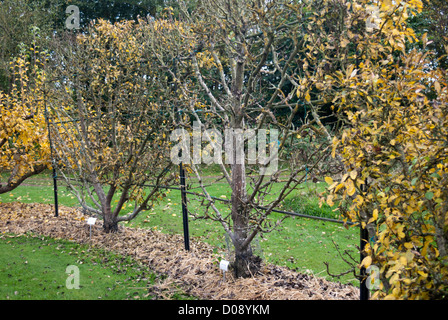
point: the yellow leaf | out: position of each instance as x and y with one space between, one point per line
329 180
422 273
330 200
353 174
437 87
374 216
366 262
339 186
402 260
350 187
408 245
308 97
409 256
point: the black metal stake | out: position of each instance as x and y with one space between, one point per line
55 188
363 290
182 178
363 238
184 207
55 176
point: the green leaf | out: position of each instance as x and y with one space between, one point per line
435 175
429 195
414 181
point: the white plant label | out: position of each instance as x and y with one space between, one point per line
224 265
91 221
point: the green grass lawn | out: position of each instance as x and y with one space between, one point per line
299 243
35 268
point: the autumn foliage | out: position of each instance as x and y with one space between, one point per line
24 147
115 93
110 125
394 148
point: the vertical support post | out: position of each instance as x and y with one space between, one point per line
363 238
364 235
55 176
55 188
363 290
182 179
184 207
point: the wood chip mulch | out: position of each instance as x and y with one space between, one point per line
196 272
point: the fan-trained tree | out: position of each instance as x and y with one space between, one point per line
110 123
234 65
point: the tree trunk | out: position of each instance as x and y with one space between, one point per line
245 263
110 223
243 253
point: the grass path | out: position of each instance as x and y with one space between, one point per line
34 268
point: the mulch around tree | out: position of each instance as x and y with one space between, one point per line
196 271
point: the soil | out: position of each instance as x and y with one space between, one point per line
195 272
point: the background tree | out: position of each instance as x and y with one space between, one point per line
22 24
20 19
110 124
114 10
24 147
433 20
